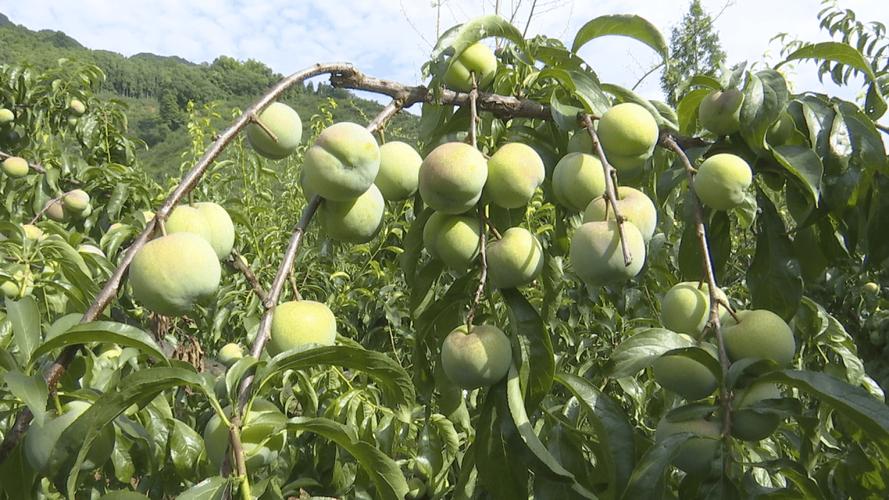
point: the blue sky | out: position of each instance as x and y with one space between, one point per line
392 38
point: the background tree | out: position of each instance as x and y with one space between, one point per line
695 50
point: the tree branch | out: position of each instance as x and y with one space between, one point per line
235 261
500 106
725 398
33 166
482 234
882 128
610 192
186 184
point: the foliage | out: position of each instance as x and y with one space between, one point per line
374 416
694 50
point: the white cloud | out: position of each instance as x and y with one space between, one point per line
391 38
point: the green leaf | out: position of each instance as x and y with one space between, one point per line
765 97
123 495
850 56
31 390
687 110
500 454
647 480
388 373
534 346
774 276
613 430
383 471
212 488
544 460
17 476
413 246
460 37
691 263
627 95
565 115
622 25
804 165
641 349
74 443
853 402
186 447
105 332
25 320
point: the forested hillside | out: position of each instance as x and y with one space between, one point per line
157 90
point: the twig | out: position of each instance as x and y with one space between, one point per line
186 184
725 398
882 128
38 215
254 118
610 192
235 261
482 235
234 434
33 166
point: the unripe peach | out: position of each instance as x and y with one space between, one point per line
515 171
634 206
477 58
759 334
577 179
477 357
399 171
596 253
514 260
452 177
354 221
282 121
722 181
301 322
627 130
452 239
15 167
342 163
720 111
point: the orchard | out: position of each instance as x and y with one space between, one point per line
564 290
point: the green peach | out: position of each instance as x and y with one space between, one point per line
20 283
720 111
188 219
477 58
628 163
452 177
694 455
6 116
354 221
399 171
580 142
76 201
77 107
686 308
222 229
261 442
514 260
301 322
55 210
515 171
759 334
342 163
634 206
685 376
32 232
596 253
747 424
452 239
722 181
170 274
870 288
476 357
15 167
230 353
282 121
577 179
627 129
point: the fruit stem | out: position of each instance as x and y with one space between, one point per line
610 181
473 112
254 118
234 434
34 166
725 396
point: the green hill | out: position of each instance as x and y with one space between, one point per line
158 89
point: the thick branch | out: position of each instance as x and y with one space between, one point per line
500 106
188 182
610 191
716 300
33 166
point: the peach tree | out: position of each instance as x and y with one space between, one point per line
562 290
